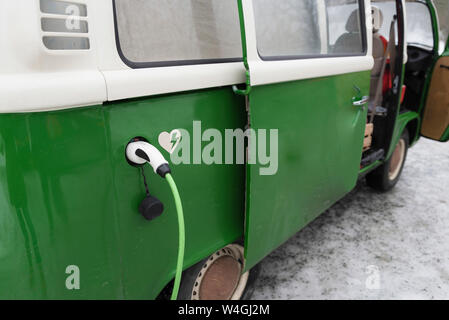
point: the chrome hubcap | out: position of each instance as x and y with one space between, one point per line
221 276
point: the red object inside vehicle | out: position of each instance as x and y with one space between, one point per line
404 89
387 80
388 83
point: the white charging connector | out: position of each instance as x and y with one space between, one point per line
141 152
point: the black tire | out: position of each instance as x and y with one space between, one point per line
384 178
189 282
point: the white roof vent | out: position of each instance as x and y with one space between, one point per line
65 25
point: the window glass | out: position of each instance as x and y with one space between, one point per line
388 9
419 25
154 31
61 25
66 43
63 8
301 28
443 15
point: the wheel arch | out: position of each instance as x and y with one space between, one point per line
412 127
165 292
406 121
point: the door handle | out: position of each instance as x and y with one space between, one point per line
361 102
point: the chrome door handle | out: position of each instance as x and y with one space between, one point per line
362 102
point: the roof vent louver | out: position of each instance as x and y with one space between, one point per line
64 25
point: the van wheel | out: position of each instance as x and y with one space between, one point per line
219 277
387 176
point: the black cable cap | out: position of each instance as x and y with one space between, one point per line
151 208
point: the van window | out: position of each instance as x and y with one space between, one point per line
419 25
307 28
388 9
177 32
443 15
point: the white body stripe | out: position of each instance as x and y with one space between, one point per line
33 78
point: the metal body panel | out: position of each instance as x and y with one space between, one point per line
213 196
403 120
57 207
320 148
69 197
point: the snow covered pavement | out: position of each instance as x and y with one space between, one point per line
371 245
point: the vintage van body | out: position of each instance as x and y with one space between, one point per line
80 78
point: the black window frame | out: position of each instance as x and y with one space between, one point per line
158 64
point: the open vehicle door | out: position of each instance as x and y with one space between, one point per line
435 123
310 75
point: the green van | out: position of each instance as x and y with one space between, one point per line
339 88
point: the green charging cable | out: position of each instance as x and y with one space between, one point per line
182 236
139 152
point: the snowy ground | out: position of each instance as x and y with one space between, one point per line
370 245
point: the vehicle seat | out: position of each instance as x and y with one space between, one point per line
379 48
352 38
